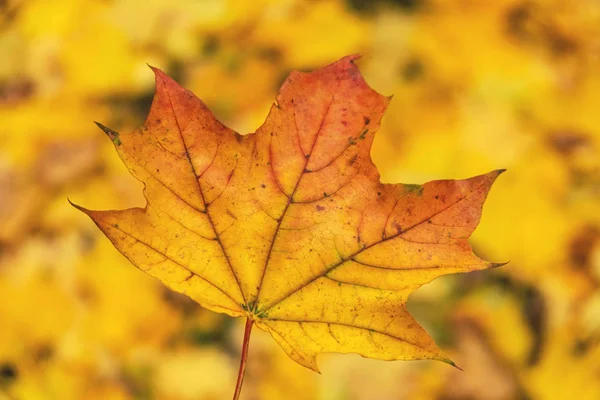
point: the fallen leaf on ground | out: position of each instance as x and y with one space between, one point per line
291 226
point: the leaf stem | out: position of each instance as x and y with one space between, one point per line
242 371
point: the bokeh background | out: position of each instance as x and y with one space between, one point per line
477 85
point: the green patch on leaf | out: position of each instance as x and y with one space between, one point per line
416 189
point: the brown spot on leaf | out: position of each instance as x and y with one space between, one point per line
352 160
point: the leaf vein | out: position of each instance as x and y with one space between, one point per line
351 257
291 196
336 323
173 261
202 197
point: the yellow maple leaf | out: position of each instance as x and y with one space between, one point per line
291 227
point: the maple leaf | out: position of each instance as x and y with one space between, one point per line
291 227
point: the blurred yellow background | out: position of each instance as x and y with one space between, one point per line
477 85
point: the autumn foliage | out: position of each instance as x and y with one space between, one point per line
291 227
477 86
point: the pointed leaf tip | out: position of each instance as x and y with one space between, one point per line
113 135
154 69
158 73
353 57
77 206
452 363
